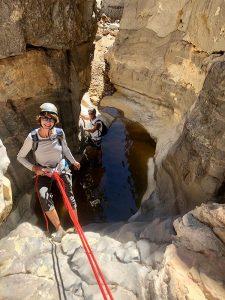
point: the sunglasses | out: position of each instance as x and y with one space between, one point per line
46 119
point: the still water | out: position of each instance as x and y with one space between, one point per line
112 191
115 189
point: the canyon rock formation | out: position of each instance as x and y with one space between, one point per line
168 67
45 54
136 264
112 8
5 185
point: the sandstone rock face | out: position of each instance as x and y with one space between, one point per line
45 56
205 28
113 8
172 82
55 25
197 173
192 267
213 215
29 260
98 83
5 186
161 63
189 275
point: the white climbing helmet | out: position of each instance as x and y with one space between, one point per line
50 108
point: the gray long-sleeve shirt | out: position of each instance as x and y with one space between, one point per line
49 151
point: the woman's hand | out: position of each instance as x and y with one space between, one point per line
38 171
76 165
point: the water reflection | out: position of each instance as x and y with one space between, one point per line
121 181
113 190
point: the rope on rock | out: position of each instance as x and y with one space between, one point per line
106 293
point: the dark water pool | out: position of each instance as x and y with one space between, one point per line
121 181
113 190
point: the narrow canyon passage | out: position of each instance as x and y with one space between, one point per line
152 206
112 191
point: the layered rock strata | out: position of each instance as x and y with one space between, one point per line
194 166
99 87
172 84
160 64
112 8
45 56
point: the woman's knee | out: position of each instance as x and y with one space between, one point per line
43 191
46 199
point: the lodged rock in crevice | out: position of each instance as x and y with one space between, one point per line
112 8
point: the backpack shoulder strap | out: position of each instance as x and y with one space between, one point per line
35 139
59 134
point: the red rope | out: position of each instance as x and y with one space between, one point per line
94 265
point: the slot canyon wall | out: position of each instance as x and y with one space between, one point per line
112 8
167 65
45 56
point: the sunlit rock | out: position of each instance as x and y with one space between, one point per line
53 25
5 186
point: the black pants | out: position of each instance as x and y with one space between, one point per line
46 196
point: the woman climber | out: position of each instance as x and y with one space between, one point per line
50 151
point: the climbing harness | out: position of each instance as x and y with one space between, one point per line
106 293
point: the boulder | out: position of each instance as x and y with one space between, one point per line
213 215
196 236
188 275
114 26
5 185
159 231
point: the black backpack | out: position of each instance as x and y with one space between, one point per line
104 129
